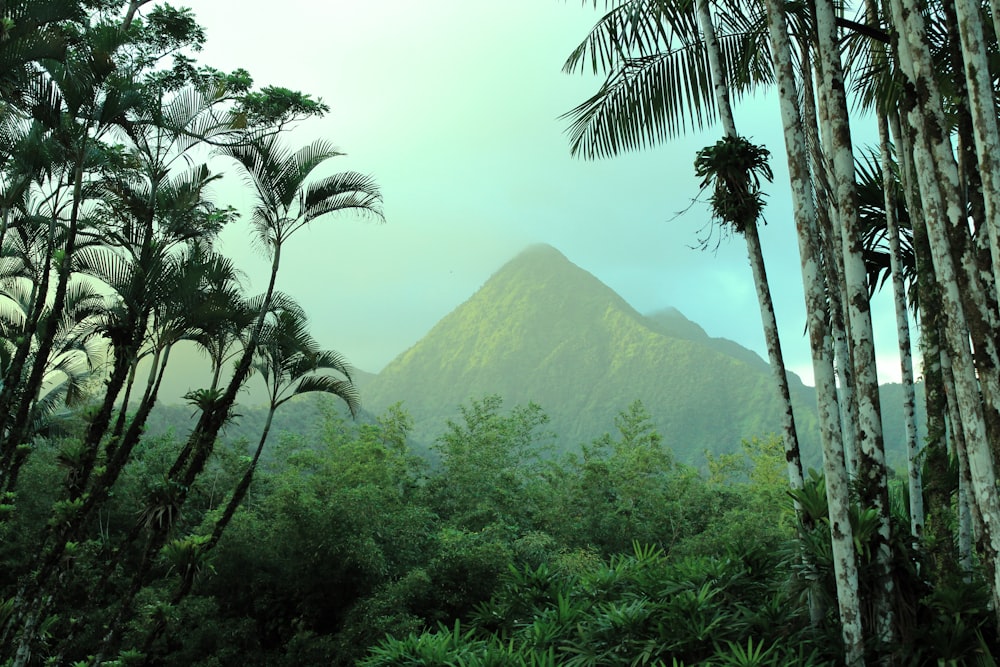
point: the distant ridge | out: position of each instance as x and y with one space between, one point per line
542 329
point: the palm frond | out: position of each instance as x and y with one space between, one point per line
645 102
279 301
343 389
107 266
872 216
633 29
317 195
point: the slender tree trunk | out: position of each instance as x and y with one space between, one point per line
979 85
966 390
241 489
935 167
13 379
980 287
964 500
844 558
832 270
193 457
199 444
119 427
17 391
872 474
46 341
935 455
756 258
902 334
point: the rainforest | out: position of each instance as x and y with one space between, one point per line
547 477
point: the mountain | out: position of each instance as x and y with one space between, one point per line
671 322
542 329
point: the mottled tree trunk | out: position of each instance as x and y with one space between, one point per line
965 501
872 476
833 264
935 455
937 176
979 86
756 259
902 334
844 558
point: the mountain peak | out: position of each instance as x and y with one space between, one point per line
543 329
541 257
539 251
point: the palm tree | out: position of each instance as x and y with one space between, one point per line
871 471
32 30
639 105
838 497
83 99
982 105
291 364
667 69
286 201
887 212
944 214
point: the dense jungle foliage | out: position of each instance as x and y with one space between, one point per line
498 555
342 546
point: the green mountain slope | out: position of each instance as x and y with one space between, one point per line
544 330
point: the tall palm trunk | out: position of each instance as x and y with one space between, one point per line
980 288
979 85
935 455
842 538
193 457
967 527
935 168
20 425
872 474
832 271
198 447
915 484
756 258
239 493
966 390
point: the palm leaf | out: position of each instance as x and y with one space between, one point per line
646 101
872 216
634 28
343 389
339 191
111 268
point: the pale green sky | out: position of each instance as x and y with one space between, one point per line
453 105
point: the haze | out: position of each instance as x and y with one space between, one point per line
454 107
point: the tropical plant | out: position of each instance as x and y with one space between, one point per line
733 169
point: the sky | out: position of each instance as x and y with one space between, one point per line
453 106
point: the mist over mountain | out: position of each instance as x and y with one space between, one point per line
542 329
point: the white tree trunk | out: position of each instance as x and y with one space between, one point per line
844 558
936 168
964 509
871 470
825 215
902 335
966 388
984 119
756 258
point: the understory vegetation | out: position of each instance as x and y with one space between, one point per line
351 549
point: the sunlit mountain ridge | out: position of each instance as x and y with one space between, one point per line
545 330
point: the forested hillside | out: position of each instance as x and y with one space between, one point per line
542 329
